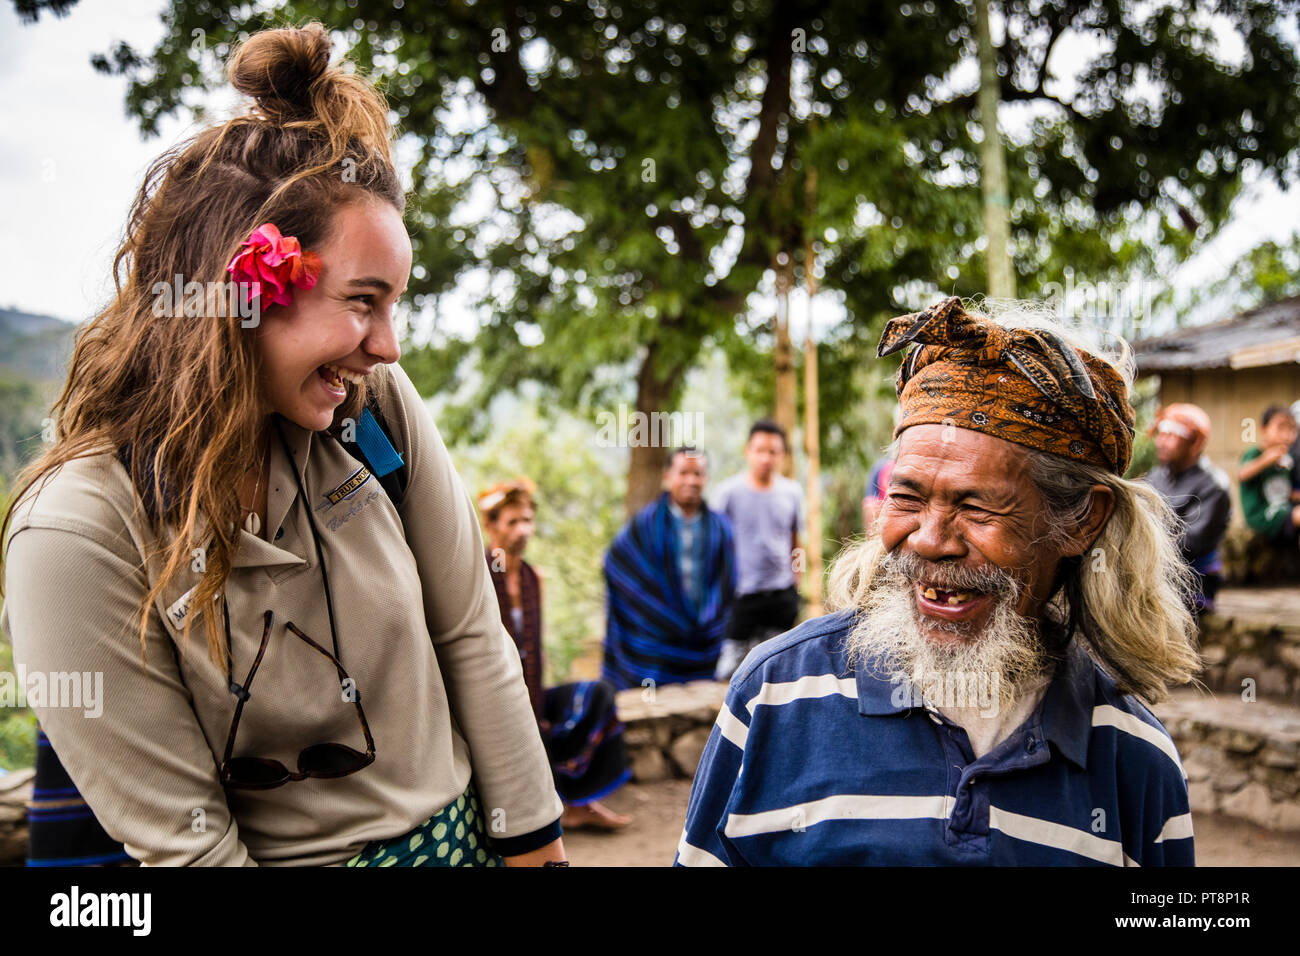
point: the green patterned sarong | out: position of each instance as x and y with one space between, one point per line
454 836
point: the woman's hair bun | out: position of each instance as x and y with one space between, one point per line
279 67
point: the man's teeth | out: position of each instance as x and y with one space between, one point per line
341 375
954 598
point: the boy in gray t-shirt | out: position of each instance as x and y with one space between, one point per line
766 512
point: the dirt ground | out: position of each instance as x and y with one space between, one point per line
659 810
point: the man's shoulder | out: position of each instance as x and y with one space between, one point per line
724 489
730 483
1159 478
650 507
1135 728
1214 474
790 488
814 647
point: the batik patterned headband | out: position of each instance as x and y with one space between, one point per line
1026 386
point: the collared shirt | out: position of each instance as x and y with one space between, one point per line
813 761
690 542
419 632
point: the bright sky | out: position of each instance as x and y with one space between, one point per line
71 162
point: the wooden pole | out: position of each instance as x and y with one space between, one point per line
993 163
783 355
811 419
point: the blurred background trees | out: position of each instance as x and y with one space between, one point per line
608 198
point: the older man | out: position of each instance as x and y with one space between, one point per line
1197 491
974 699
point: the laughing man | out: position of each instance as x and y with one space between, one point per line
977 696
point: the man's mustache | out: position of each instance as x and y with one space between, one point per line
949 577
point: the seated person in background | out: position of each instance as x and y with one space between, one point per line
578 722
1196 490
671 578
1269 499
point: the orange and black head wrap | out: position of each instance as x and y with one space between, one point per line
1027 386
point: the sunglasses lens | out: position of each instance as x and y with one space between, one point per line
254 772
331 760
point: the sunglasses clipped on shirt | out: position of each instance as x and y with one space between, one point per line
319 760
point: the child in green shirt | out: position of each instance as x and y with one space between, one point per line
1268 496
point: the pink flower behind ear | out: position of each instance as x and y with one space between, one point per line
268 265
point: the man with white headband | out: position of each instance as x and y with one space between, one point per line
1196 490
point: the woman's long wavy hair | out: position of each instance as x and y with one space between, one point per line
1126 600
183 392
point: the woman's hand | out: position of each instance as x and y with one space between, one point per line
552 851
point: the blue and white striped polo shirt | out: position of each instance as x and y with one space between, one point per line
812 763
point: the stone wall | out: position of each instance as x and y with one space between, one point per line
1242 757
15 791
667 727
1254 635
1250 560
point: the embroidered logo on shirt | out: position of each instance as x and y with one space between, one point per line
352 484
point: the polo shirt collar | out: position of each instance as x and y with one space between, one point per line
1068 705
878 696
255 551
1066 708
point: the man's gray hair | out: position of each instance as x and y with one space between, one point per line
1127 599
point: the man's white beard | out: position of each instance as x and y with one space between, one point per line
1005 654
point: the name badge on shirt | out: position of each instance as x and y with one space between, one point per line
352 484
179 611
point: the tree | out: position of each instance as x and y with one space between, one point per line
640 169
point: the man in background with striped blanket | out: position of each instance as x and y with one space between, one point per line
671 580
976 696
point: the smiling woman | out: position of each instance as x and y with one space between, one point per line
208 467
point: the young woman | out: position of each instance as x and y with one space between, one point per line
217 465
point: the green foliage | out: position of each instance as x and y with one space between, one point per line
1266 273
1145 398
645 162
22 410
578 491
17 724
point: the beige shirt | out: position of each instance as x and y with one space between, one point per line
419 632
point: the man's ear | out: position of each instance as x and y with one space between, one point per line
1101 504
